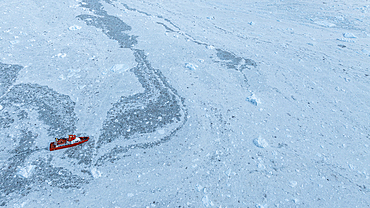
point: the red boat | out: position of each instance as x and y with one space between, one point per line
71 141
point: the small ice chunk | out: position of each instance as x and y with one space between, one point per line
251 23
260 142
117 67
207 202
228 172
1 107
349 35
62 55
253 99
211 18
95 173
352 167
347 40
261 166
13 42
61 77
199 187
74 27
366 52
325 23
210 47
259 206
191 66
293 184
26 171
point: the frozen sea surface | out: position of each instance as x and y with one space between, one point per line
193 103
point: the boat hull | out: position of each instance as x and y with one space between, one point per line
53 146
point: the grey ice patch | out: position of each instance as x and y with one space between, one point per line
55 110
19 172
113 27
83 154
5 120
233 62
134 120
142 114
8 75
19 177
94 6
56 176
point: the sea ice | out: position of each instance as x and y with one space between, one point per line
1 107
260 142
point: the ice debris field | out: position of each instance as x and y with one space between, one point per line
193 103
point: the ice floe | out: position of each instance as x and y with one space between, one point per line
260 142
